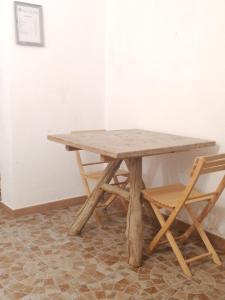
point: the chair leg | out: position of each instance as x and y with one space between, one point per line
163 229
178 254
203 236
172 243
92 201
200 218
97 217
86 185
88 192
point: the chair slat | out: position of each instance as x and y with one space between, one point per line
205 196
214 157
212 169
213 163
93 163
201 198
198 257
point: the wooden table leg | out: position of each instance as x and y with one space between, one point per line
147 207
92 201
134 216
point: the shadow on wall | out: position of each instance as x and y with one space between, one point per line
172 168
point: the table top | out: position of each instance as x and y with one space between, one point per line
129 143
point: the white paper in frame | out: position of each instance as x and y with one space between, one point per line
29 24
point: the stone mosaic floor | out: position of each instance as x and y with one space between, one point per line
39 261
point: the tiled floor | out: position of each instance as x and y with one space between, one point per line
39 261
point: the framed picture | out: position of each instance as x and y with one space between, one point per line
29 24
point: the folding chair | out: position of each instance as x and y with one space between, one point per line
86 176
178 196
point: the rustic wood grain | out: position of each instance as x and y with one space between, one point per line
134 216
115 190
128 143
91 202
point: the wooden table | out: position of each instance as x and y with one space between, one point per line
130 145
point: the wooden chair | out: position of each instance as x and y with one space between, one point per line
86 176
178 196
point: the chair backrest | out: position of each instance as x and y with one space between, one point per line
83 164
83 172
213 163
205 165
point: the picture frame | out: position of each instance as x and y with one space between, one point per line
29 24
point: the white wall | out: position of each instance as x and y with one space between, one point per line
159 64
52 89
165 71
5 106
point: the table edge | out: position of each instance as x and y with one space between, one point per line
124 155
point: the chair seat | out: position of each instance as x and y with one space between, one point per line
168 196
98 174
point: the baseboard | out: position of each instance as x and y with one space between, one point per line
42 208
6 209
